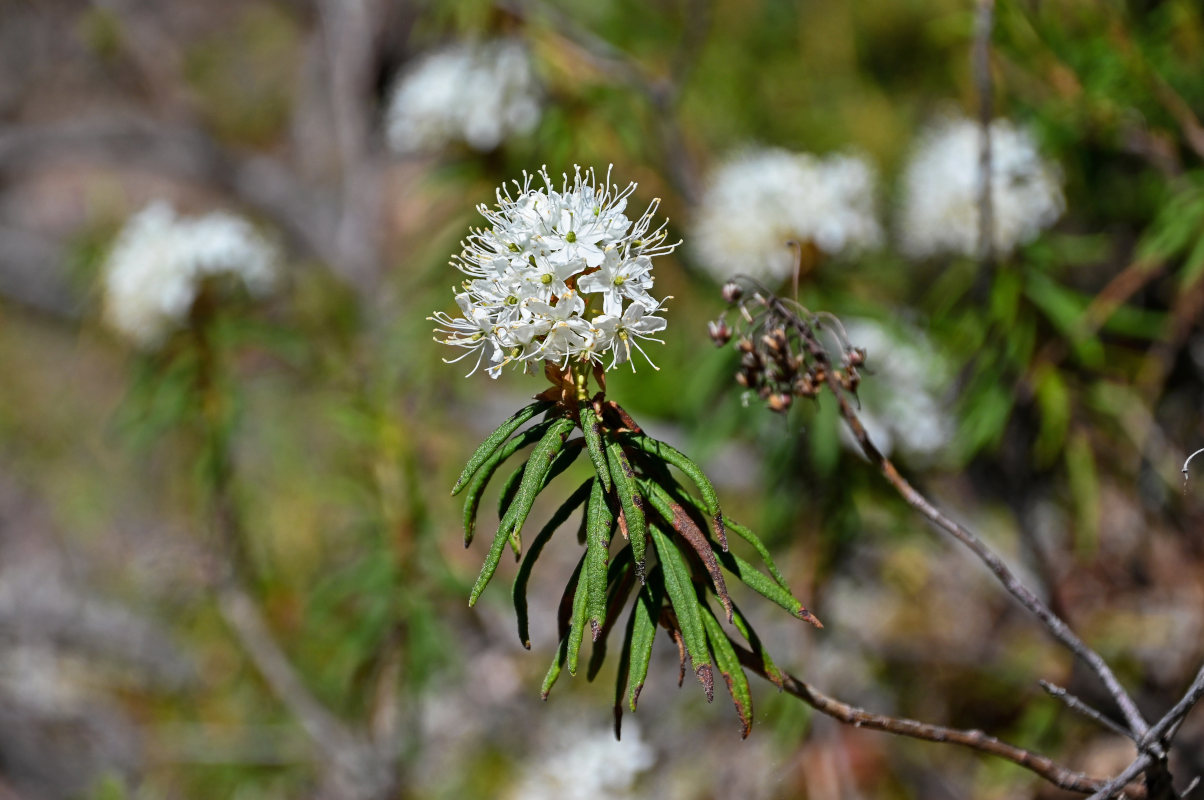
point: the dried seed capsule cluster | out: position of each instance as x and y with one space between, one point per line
782 351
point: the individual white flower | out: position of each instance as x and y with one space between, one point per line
941 183
619 334
587 765
902 397
477 93
761 200
159 260
560 274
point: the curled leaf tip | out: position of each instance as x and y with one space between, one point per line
720 530
807 616
707 678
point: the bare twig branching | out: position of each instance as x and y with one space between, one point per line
785 356
1041 765
1052 623
1077 705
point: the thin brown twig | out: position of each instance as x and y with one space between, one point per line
1075 704
1041 765
1117 785
1053 623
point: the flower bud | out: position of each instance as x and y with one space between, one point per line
720 333
732 292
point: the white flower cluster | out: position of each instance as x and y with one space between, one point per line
591 765
759 201
941 187
159 260
477 93
902 404
560 275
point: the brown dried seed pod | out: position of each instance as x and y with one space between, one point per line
779 402
751 360
775 340
745 345
744 380
804 386
852 379
719 331
855 357
732 292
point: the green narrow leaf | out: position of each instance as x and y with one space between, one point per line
645 613
565 615
495 439
597 544
537 467
633 522
620 578
509 489
762 551
763 585
564 459
743 532
577 621
676 516
622 671
591 427
1193 265
729 667
772 673
680 589
482 476
523 577
1084 492
535 477
666 453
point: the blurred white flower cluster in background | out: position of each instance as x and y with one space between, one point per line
589 765
159 260
478 93
904 408
940 192
560 275
760 200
